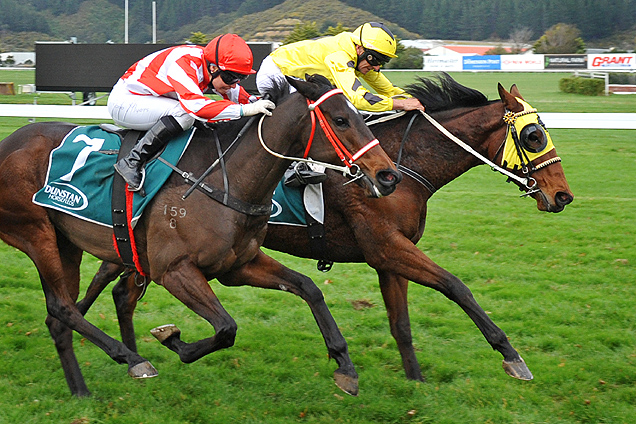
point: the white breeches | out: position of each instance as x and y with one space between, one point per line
142 112
267 74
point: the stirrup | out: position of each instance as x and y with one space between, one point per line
300 174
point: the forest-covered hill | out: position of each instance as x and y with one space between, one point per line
97 21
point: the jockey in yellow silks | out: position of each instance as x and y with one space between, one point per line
343 59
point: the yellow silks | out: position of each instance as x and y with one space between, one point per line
519 120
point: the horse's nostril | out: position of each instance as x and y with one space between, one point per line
389 177
563 198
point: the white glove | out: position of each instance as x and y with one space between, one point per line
259 106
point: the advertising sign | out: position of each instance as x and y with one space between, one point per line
481 63
611 61
522 62
565 61
442 63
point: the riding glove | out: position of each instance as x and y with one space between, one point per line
259 106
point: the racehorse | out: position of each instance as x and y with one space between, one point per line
384 232
210 240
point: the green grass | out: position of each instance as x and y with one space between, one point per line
561 286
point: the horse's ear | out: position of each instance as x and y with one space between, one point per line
307 88
293 81
319 79
515 91
509 99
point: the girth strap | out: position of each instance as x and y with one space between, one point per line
122 232
317 242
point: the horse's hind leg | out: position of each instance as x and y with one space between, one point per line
63 340
186 282
394 291
59 274
265 272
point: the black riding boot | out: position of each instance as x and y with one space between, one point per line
131 167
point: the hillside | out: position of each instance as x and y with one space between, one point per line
22 22
276 23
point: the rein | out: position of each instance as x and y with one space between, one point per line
342 152
528 183
221 196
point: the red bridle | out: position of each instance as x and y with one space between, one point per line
340 149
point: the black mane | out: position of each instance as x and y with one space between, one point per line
278 92
444 93
318 86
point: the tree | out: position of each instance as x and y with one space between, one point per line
304 31
336 30
498 50
408 58
520 38
560 38
197 38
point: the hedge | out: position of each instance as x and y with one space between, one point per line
579 85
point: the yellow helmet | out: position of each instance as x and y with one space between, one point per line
377 37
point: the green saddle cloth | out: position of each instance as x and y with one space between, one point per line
79 180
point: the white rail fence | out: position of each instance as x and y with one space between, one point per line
552 120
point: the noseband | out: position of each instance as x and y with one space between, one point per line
342 152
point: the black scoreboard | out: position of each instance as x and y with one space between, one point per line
97 67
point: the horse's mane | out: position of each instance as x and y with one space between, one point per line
279 91
444 93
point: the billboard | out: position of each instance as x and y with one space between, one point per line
443 63
565 61
623 61
522 62
481 63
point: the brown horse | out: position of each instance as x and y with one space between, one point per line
207 240
384 232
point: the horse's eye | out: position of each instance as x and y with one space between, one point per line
341 122
533 138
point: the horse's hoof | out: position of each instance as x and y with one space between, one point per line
347 383
164 332
518 369
142 370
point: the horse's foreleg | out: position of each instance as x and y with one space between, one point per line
405 259
106 273
265 272
126 293
186 282
394 292
63 340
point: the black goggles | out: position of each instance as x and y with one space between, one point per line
375 58
231 78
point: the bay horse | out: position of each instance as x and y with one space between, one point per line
208 240
384 232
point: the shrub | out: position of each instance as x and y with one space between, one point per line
579 85
622 78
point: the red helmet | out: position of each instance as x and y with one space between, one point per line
230 53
